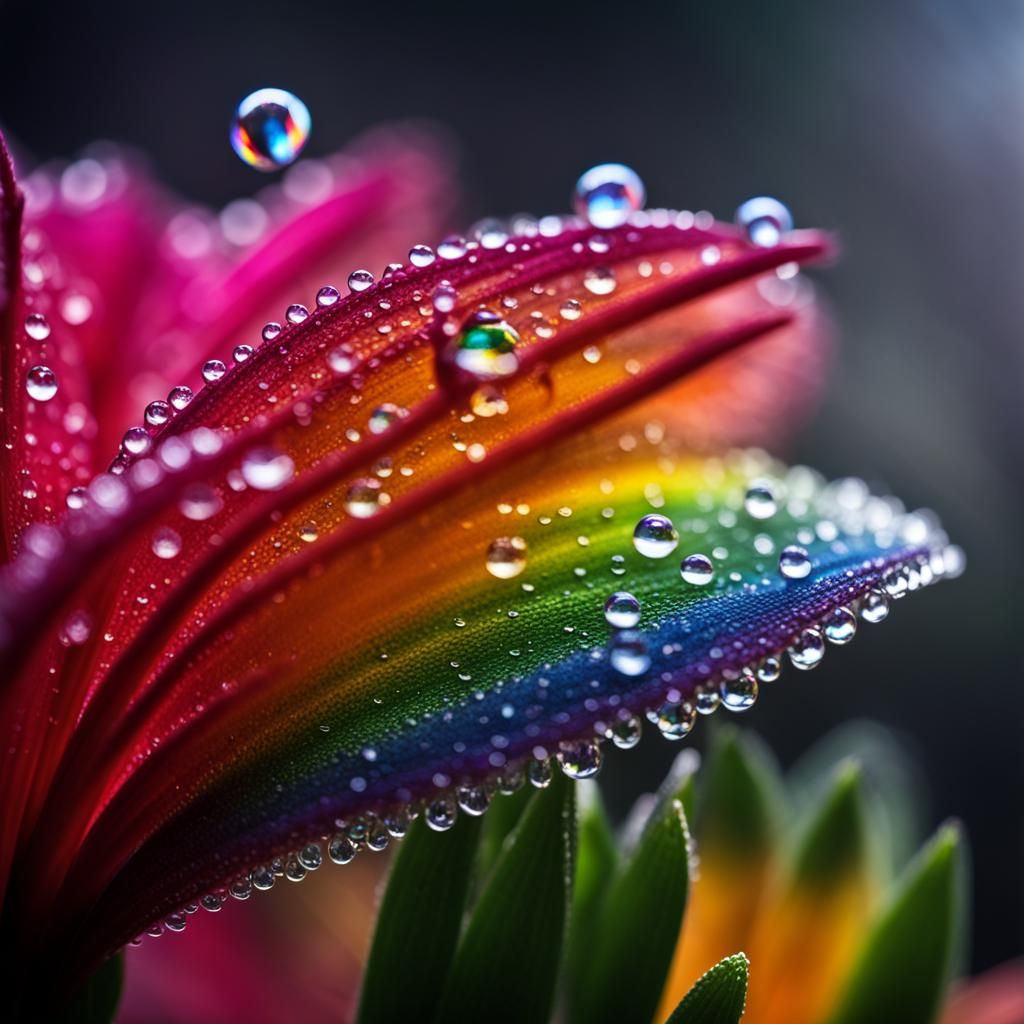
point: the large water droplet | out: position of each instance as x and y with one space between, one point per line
626 731
697 570
675 719
607 194
41 383
213 370
360 280
270 128
764 220
166 543
874 606
421 256
628 653
739 694
600 280
539 772
580 760
37 327
808 649
440 814
340 849
266 469
655 536
506 557
794 562
622 610
472 799
841 626
760 501
486 346
363 498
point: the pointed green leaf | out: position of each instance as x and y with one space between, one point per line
636 935
418 923
718 997
501 817
903 969
596 862
96 1001
507 962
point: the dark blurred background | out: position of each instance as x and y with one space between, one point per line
899 124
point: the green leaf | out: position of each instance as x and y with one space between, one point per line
903 969
502 816
96 1001
507 962
718 997
636 935
740 799
596 862
419 922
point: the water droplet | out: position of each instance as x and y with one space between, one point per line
488 401
211 903
360 280
760 501
270 128
539 772
706 701
340 849
308 532
486 346
599 280
570 309
37 327
490 233
213 370
697 569
363 498
378 838
175 922
157 413
166 543
628 654
241 353
267 469
179 396
263 878
895 583
294 871
626 731
606 195
874 606
384 416
769 670
794 562
655 536
440 814
397 822
622 610
675 719
327 296
421 256
41 383
271 331
580 760
841 626
199 502
444 297
506 557
808 649
472 799
136 441
739 694
240 889
764 221
340 360
452 248
311 857
296 313
77 628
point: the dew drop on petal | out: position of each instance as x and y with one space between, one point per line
486 346
841 626
628 653
327 296
179 396
769 670
37 327
697 570
311 857
760 501
363 498
296 313
626 732
599 280
241 353
136 441
421 256
675 719
739 694
472 799
340 849
213 370
607 194
166 543
452 248
506 557
360 280
444 297
271 331
874 606
764 221
440 814
270 128
267 469
808 649
655 536
622 610
794 562
199 502
41 383
385 416
308 532
539 772
580 760
157 413
571 309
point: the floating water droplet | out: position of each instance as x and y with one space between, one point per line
697 569
166 543
340 849
384 416
421 256
179 396
136 441
363 498
580 760
764 221
486 346
675 719
655 536
360 280
628 653
794 562
599 280
213 370
157 413
874 606
267 469
607 194
808 649
37 327
472 799
41 383
622 610
841 626
739 694
539 772
440 814
296 313
626 731
760 501
506 557
270 128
